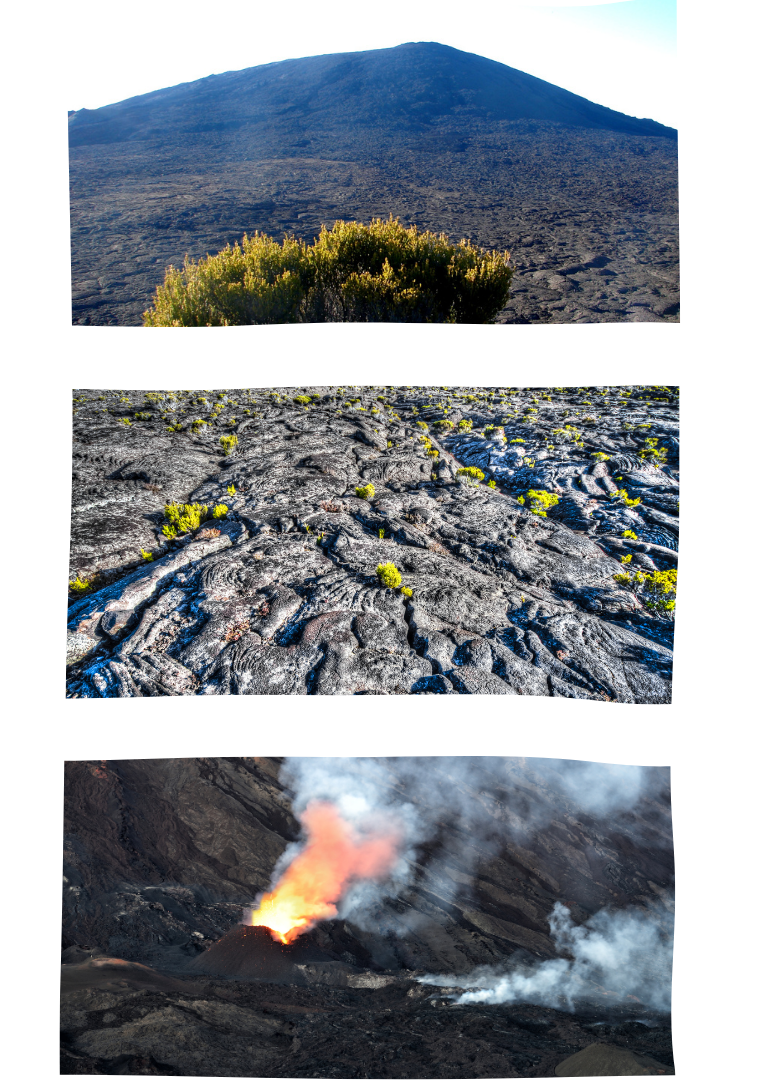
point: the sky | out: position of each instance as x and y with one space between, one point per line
618 53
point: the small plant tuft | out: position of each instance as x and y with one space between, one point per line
366 492
388 576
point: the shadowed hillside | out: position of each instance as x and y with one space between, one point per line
445 139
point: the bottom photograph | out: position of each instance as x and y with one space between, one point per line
396 917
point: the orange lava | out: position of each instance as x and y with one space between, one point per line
333 858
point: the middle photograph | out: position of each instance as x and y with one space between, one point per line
375 540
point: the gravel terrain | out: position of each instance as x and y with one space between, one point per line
159 978
279 594
584 198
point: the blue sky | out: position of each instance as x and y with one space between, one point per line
619 53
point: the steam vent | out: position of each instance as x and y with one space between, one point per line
522 924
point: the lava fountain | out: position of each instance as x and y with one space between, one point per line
333 857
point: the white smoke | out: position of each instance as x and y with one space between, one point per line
470 808
621 956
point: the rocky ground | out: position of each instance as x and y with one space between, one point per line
161 857
590 217
279 595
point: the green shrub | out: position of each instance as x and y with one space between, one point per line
302 399
422 425
196 426
174 427
626 558
627 534
143 416
432 453
219 511
623 495
366 492
471 473
444 425
228 443
231 489
388 576
658 590
599 456
406 591
381 534
77 586
491 483
381 272
126 421
541 501
465 425
183 518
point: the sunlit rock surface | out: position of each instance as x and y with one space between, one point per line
280 595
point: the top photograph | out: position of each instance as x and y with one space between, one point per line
414 183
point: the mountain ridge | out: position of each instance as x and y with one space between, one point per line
421 82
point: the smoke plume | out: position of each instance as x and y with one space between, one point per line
625 955
429 811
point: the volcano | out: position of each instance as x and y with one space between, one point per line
251 952
160 976
442 138
346 95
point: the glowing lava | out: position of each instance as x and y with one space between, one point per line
334 856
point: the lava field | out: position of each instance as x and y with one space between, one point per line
159 977
532 574
584 198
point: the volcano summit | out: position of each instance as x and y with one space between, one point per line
585 197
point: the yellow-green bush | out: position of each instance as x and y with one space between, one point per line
541 501
381 272
472 473
366 492
658 590
228 443
183 518
388 576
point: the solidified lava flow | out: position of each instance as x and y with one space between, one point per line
375 540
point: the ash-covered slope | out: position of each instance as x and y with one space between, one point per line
344 95
280 595
451 141
161 856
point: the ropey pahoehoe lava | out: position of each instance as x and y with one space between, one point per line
415 917
375 540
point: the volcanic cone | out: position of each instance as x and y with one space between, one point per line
251 952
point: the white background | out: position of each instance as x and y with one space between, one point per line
712 735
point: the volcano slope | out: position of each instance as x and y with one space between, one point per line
281 596
585 198
160 978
